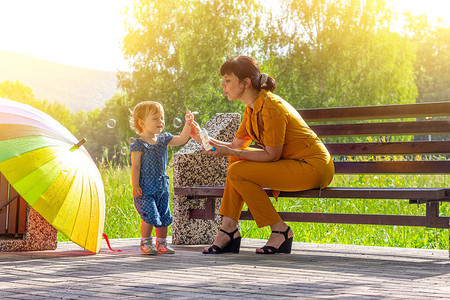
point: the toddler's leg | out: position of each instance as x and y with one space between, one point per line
161 232
146 230
147 239
161 241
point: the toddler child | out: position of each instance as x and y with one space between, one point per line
148 172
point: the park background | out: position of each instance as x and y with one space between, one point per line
322 53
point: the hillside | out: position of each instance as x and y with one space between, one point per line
76 88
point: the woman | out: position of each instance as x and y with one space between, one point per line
292 157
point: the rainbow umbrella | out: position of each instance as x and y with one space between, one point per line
53 172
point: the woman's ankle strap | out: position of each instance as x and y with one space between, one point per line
230 234
285 233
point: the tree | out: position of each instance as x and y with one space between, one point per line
433 58
176 48
321 52
18 92
341 53
106 130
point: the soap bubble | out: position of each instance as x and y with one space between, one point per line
131 140
98 98
177 122
111 123
124 151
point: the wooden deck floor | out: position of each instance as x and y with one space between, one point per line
311 271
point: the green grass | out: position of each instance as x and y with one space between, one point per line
368 235
122 220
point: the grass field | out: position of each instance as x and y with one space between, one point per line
122 220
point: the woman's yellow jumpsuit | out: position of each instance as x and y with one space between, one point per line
305 162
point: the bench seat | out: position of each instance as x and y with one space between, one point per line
414 194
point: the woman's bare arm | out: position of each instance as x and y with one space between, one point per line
264 155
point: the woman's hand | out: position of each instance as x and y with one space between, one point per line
195 129
219 150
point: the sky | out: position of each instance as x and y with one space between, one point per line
81 33
88 33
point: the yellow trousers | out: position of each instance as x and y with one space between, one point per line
246 179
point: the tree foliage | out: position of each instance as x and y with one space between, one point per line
321 52
177 47
342 53
433 58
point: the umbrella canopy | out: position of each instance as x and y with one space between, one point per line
50 169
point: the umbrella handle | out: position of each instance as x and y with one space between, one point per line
78 145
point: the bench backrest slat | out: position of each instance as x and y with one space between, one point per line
387 128
393 167
416 110
389 148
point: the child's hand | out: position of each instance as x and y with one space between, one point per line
137 191
190 121
189 116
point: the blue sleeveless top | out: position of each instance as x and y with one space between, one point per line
153 177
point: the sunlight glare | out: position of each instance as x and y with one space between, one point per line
79 33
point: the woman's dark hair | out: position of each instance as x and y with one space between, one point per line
245 66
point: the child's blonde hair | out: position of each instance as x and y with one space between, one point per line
142 110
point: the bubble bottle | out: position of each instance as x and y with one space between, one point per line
205 139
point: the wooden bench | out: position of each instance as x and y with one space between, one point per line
13 210
347 132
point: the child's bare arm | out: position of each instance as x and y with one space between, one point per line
136 172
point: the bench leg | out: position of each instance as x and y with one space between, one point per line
208 213
210 209
432 214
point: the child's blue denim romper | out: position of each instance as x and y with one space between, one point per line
153 205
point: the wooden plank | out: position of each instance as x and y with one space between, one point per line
407 148
199 191
369 193
13 212
197 214
386 128
415 110
22 218
393 167
330 192
366 219
432 213
3 199
208 213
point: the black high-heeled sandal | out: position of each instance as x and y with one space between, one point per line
231 247
285 247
